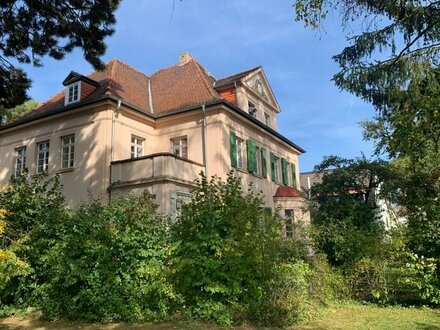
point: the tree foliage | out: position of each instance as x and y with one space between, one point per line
394 64
30 30
407 32
345 215
9 115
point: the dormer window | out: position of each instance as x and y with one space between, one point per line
72 93
78 87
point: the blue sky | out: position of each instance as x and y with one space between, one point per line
229 36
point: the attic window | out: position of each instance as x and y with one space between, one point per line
72 93
252 110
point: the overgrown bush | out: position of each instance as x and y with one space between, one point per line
405 279
111 264
33 209
231 263
224 260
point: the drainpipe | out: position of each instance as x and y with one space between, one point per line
115 113
204 140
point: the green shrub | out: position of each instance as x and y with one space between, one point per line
403 278
110 265
286 301
31 205
230 261
326 283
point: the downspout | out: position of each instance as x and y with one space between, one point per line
115 113
204 140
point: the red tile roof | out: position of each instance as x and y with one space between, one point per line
284 191
179 86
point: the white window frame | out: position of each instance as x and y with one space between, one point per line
43 156
20 161
252 109
72 93
239 149
137 146
68 151
179 146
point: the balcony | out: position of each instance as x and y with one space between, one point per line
154 168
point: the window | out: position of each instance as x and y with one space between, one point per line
42 157
236 150
256 158
288 215
267 119
275 167
179 147
259 161
67 151
252 109
20 161
137 147
72 93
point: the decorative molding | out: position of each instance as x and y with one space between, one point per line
259 89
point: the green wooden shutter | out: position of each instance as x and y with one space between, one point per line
272 167
284 171
233 148
251 155
294 176
263 163
268 210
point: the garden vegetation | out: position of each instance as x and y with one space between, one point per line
224 259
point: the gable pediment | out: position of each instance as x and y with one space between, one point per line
257 83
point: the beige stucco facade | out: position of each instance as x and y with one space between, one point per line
103 132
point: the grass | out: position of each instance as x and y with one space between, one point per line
350 316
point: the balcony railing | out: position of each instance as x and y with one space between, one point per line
154 167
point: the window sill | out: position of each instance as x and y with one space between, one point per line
239 169
257 175
64 170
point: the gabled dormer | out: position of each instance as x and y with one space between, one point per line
78 87
251 92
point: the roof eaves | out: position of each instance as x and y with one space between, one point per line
262 125
52 112
239 111
235 77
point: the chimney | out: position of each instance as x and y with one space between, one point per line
184 58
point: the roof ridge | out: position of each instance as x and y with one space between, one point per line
241 72
166 68
129 66
202 75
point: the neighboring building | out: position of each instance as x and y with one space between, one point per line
121 131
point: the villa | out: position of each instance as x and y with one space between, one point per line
120 131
